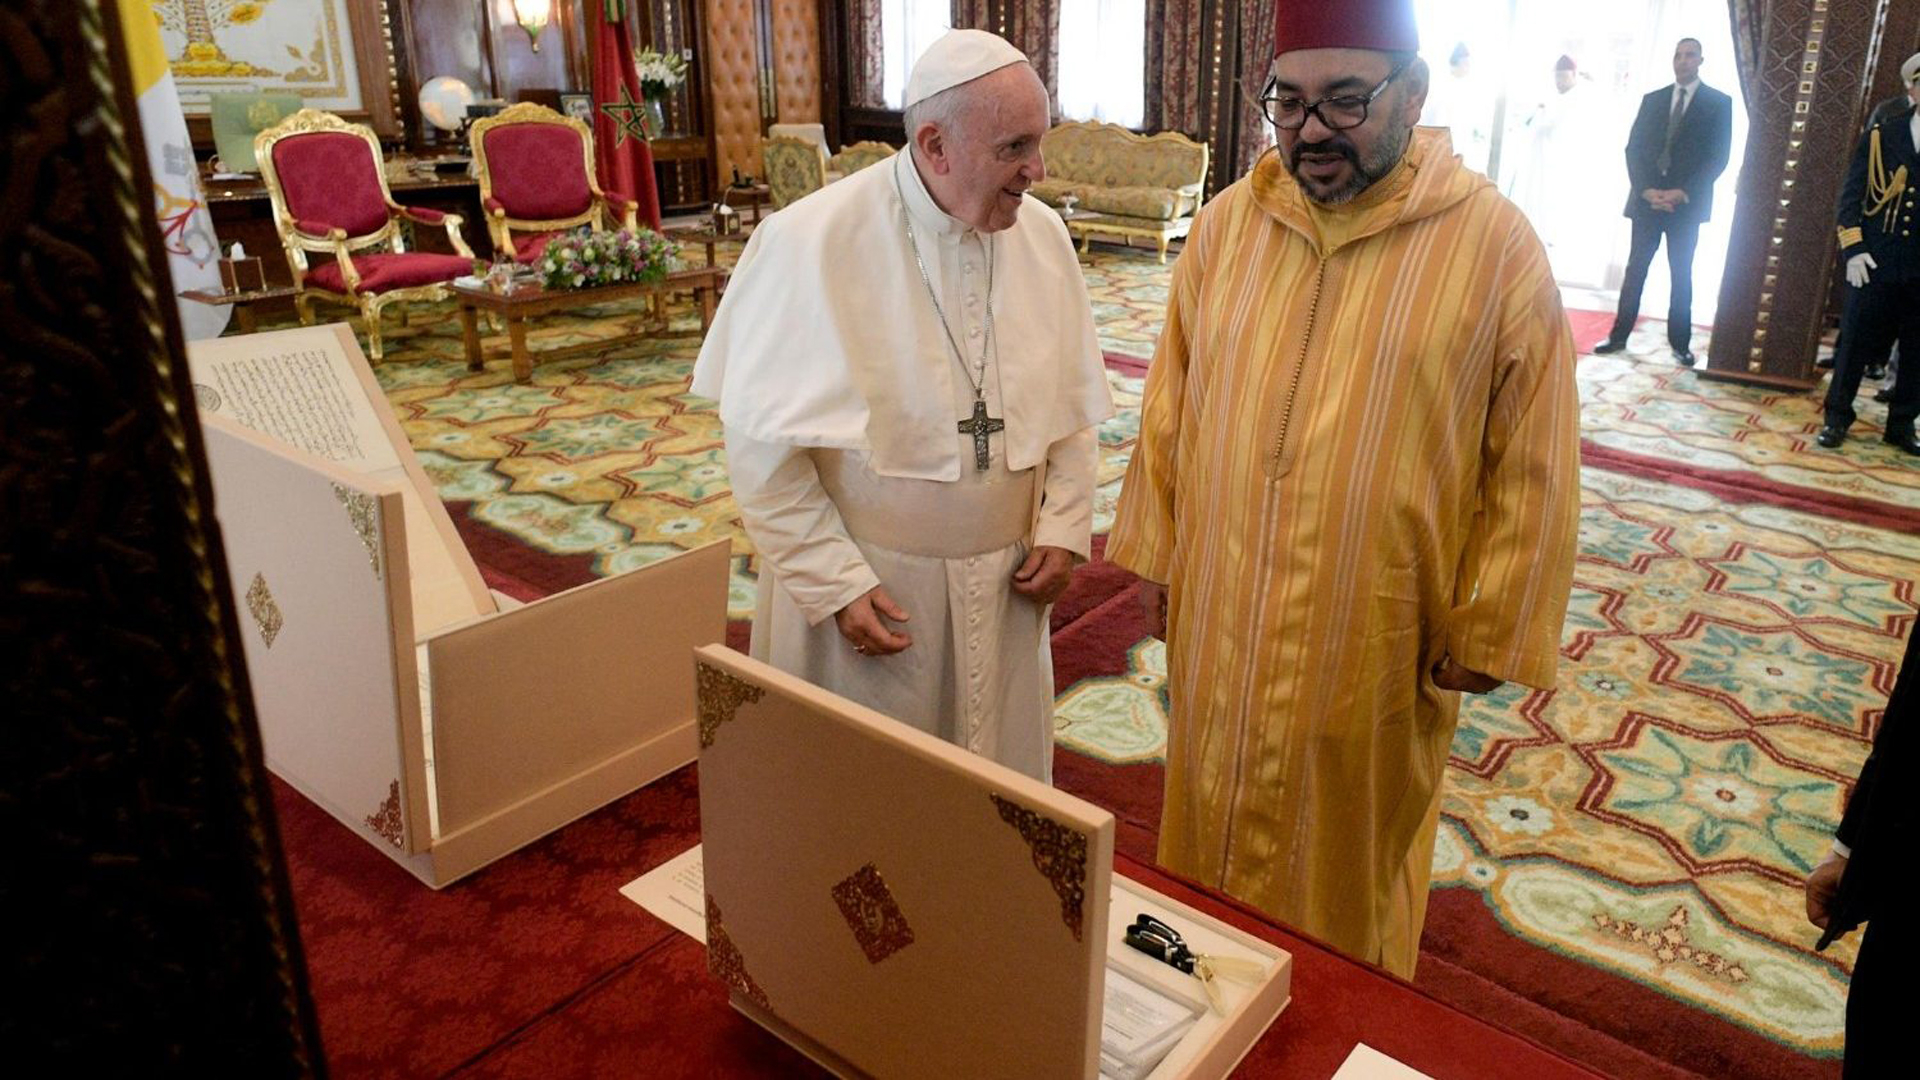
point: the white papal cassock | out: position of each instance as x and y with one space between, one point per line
841 397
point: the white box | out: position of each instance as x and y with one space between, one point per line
446 725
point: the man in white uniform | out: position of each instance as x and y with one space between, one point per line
909 382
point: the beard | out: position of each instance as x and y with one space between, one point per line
1364 169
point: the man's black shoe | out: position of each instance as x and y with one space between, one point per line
1830 437
1906 442
1609 347
1825 363
1683 357
1876 372
1884 395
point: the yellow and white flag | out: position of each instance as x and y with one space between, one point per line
185 225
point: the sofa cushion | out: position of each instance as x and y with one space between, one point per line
381 273
1155 203
1107 156
1050 190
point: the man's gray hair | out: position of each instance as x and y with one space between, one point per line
944 110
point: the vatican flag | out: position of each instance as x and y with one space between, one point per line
185 225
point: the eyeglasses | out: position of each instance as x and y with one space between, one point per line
1337 113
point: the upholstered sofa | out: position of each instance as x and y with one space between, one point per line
1140 185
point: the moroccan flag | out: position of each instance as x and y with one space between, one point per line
625 167
185 225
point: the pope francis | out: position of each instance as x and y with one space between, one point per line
909 381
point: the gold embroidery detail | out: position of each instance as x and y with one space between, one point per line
1852 236
725 961
719 695
386 821
363 514
872 914
1668 944
1059 853
266 613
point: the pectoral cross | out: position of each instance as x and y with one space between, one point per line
980 427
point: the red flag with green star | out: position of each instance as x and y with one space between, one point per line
625 164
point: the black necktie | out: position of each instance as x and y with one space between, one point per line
1673 124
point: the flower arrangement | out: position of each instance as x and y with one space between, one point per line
660 73
583 259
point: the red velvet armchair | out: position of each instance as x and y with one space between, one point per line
536 178
329 192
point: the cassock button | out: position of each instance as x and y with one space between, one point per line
966 268
973 331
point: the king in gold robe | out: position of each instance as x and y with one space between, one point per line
1358 456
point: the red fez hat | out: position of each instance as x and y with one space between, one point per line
1386 25
1565 63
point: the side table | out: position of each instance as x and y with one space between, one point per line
756 196
242 301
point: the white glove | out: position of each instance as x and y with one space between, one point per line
1857 270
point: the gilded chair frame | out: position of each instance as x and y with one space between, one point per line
851 159
296 244
499 225
771 149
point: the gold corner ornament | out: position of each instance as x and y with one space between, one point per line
725 961
266 614
386 822
1059 853
717 696
872 913
363 513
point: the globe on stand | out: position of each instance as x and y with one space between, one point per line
444 101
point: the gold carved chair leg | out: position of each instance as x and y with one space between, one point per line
1163 249
303 305
370 314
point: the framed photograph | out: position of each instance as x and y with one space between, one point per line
578 106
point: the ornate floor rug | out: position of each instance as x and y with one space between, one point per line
1619 860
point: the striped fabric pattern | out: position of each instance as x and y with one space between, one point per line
1358 454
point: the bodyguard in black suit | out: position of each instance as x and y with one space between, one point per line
1880 244
1677 149
1868 879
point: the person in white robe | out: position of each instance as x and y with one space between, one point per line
1559 171
909 382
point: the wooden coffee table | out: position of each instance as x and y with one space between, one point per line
525 301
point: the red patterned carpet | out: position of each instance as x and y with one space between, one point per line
1619 858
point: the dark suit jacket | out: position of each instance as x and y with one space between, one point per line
1888 238
1879 821
1700 151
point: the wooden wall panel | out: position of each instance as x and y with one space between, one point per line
733 77
1803 118
796 62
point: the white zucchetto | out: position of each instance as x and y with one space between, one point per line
960 56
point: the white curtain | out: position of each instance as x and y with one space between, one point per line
1575 186
908 27
1103 49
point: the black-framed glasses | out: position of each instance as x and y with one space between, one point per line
1337 113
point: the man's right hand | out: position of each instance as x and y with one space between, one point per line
1860 270
864 624
1822 885
1153 606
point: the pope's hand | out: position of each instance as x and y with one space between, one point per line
1153 606
1859 270
864 624
1044 575
1822 884
1448 675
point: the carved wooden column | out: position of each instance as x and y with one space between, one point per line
150 923
1804 116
